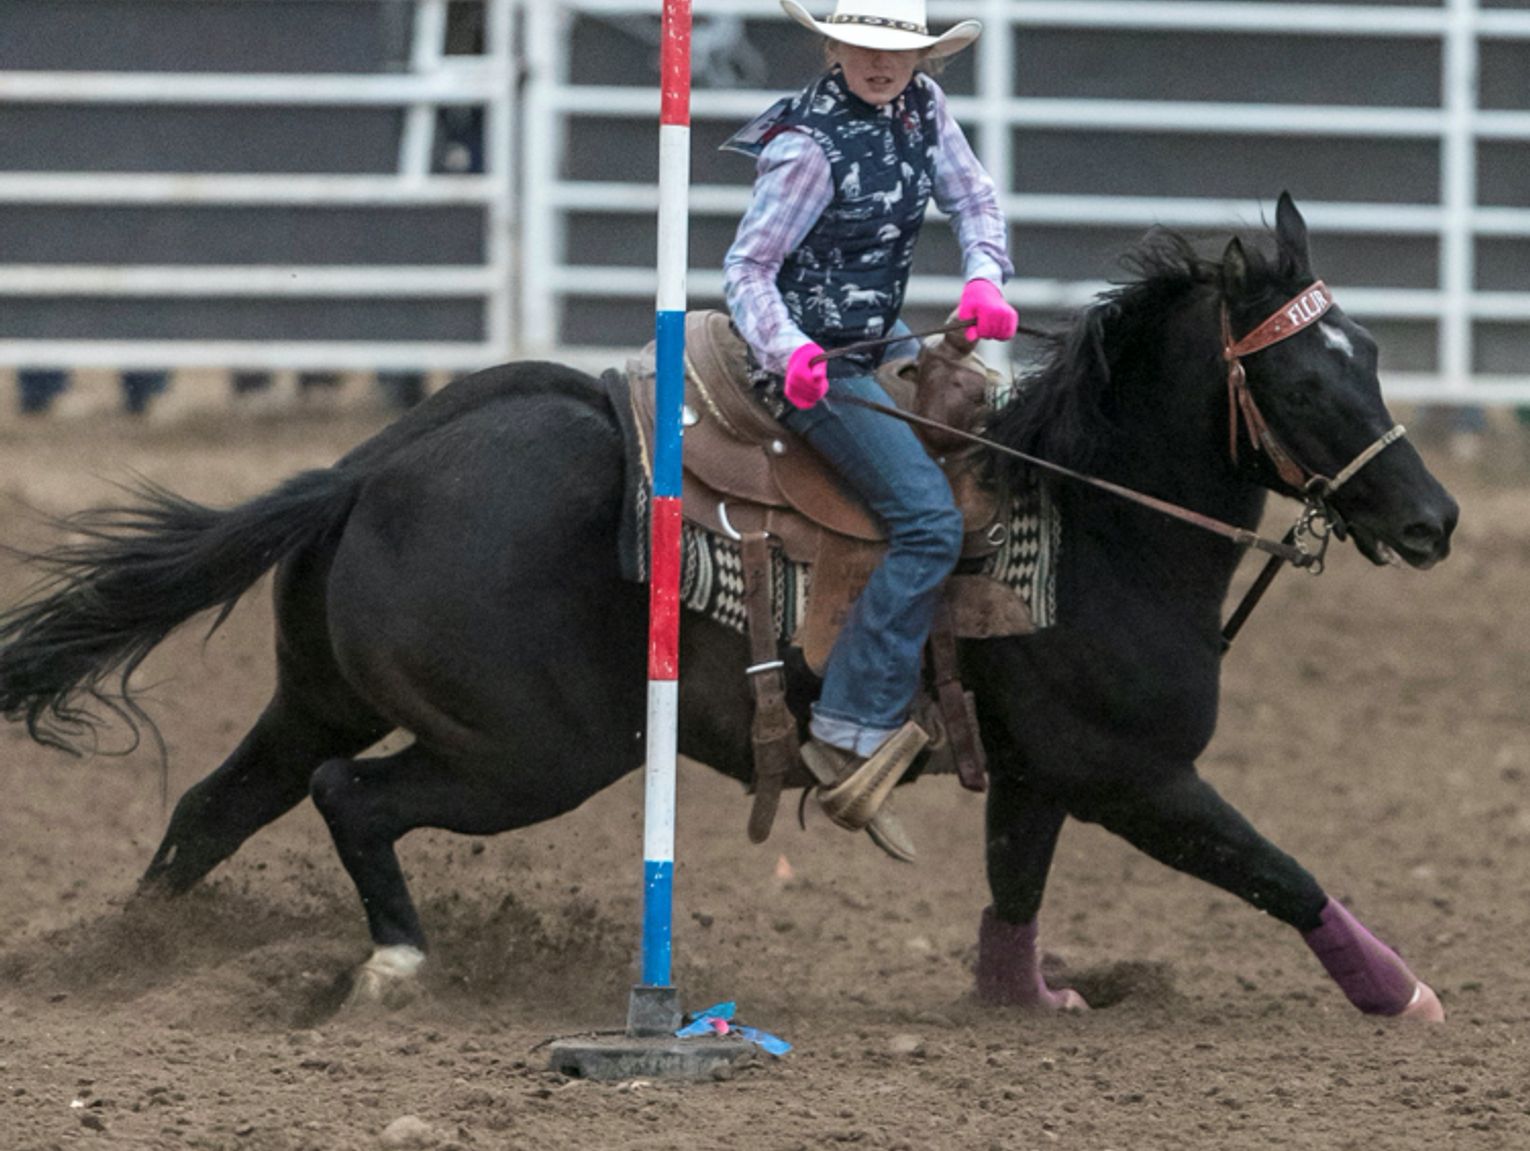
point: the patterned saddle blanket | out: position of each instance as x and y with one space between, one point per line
1023 566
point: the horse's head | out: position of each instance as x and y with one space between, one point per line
1305 408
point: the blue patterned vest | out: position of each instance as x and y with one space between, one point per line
846 280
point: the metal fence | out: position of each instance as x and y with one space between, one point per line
1402 128
322 298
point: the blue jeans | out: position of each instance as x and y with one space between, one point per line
873 671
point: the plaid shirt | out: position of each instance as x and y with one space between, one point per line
791 190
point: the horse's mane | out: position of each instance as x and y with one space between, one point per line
1063 410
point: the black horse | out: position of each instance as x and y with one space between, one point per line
458 576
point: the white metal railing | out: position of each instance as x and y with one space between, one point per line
434 80
1457 122
528 200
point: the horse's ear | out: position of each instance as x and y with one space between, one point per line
1234 270
1291 235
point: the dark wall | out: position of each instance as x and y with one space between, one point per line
157 138
201 35
222 235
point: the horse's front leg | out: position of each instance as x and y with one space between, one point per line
1022 836
1176 817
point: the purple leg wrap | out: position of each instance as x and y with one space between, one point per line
1366 969
1009 967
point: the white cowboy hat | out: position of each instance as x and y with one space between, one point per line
890 25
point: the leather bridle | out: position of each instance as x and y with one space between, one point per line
1317 521
1301 311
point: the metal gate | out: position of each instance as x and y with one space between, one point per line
1402 129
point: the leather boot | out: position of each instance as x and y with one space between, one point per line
853 789
885 829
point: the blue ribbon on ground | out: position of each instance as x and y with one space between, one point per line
703 1023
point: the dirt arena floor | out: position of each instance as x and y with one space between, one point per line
1374 724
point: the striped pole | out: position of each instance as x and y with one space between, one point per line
664 590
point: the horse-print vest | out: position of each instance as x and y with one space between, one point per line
846 280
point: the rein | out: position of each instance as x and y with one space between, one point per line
1317 521
1288 552
899 337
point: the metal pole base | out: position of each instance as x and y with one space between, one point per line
632 1057
653 1011
649 1050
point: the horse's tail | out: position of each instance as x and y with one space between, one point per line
129 577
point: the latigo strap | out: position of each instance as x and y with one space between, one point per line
958 711
773 732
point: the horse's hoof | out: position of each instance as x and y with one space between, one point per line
1424 1005
388 978
1040 999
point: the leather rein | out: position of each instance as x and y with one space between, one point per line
1317 520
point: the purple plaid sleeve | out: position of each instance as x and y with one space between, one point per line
791 190
965 192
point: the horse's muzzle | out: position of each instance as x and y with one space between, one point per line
1421 542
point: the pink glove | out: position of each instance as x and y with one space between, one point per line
986 311
806 382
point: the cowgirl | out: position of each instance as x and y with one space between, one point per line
844 171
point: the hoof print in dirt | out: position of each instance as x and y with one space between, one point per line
1138 982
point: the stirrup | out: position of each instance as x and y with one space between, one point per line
853 801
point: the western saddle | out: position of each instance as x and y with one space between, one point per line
748 478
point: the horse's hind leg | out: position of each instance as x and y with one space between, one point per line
1022 836
262 779
1180 820
369 804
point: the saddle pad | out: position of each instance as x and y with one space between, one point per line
1026 560
712 580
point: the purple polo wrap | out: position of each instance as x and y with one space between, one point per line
1009 966
1369 972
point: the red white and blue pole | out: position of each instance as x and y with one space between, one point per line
664 589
